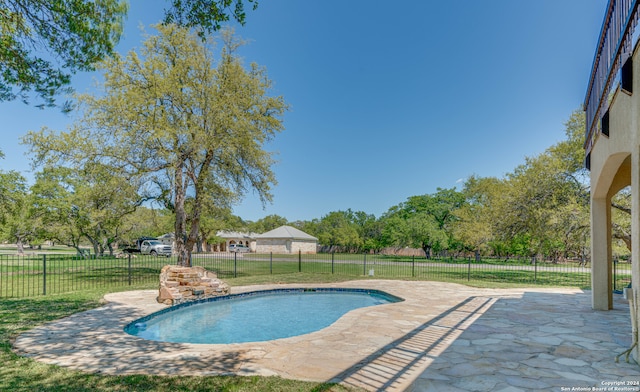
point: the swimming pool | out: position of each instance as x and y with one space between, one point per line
255 316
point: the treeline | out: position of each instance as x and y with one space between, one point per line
540 209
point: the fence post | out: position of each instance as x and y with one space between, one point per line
299 260
332 261
535 271
235 264
364 265
271 263
129 267
44 274
413 266
469 270
615 267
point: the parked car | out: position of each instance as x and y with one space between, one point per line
239 248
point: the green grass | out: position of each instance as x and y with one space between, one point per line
56 249
20 315
27 276
24 374
56 274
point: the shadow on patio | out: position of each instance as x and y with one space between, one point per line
396 364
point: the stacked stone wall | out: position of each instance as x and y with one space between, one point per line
181 284
272 246
304 247
283 246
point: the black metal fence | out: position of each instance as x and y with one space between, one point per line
52 274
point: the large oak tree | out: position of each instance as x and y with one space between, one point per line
179 121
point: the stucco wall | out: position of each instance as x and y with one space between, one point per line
615 163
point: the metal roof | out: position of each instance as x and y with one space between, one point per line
236 234
287 232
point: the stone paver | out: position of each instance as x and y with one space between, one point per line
443 337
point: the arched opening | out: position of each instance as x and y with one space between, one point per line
621 239
614 177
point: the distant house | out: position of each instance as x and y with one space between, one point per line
236 237
167 239
286 239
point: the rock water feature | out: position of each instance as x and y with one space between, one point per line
182 284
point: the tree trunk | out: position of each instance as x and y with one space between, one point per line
94 243
427 251
198 177
20 246
199 245
181 249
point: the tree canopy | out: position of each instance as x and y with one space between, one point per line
74 35
179 122
42 43
135 138
206 14
423 221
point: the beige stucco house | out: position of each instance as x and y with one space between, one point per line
286 239
612 147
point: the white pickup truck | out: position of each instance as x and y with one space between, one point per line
151 246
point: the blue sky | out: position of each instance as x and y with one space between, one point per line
391 99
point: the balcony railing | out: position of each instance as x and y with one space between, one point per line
614 48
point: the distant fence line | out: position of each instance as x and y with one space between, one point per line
26 276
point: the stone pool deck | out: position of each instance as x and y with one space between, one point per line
443 337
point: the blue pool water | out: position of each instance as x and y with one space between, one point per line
254 317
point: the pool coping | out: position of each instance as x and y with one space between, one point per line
385 347
133 327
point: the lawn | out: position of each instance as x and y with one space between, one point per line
77 284
46 274
19 315
23 374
